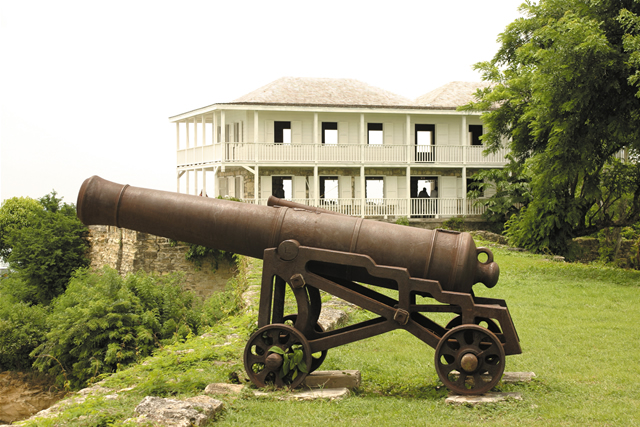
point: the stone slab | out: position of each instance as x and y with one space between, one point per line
491 397
315 394
223 388
517 377
333 379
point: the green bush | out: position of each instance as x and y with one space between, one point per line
104 321
22 329
403 220
46 247
454 223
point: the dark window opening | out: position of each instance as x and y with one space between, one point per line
282 132
418 183
329 133
374 133
281 187
476 133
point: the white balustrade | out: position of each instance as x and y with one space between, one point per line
264 153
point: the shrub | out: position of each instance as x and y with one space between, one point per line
455 223
22 329
104 321
403 220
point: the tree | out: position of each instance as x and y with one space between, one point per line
16 213
565 98
46 250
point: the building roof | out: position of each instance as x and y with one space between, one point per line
322 91
451 95
328 92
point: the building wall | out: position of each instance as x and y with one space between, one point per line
448 127
129 251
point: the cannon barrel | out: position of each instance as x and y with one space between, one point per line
446 256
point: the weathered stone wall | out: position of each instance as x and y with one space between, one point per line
129 251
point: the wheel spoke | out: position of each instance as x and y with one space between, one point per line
460 381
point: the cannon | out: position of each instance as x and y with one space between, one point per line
408 278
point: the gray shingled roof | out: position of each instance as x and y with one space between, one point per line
451 95
322 91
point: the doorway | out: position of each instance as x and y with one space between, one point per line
281 187
425 141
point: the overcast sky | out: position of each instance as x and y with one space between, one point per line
86 87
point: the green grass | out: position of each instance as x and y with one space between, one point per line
578 327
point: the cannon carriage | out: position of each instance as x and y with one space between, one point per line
354 259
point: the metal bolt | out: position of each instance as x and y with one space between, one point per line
297 280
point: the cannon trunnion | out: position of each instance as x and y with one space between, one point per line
360 261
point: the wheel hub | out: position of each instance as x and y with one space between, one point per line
273 361
469 362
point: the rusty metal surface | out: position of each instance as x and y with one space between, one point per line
311 251
446 256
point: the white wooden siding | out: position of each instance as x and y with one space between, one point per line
299 187
268 131
387 131
343 132
265 187
344 187
442 134
447 187
296 132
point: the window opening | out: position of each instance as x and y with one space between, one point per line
282 187
330 133
374 190
472 184
475 132
329 189
282 132
374 134
420 182
425 140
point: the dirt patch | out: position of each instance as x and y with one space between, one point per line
24 394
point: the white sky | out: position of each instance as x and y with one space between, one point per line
86 87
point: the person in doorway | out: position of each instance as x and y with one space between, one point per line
279 191
424 206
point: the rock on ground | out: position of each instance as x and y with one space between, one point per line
195 411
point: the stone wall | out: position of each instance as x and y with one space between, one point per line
129 251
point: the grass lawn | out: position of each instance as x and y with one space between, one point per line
578 327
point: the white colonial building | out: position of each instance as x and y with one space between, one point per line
338 144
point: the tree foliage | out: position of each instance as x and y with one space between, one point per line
565 95
22 329
45 247
512 191
16 213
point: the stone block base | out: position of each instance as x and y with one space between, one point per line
349 379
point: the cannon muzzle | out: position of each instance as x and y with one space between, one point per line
446 256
